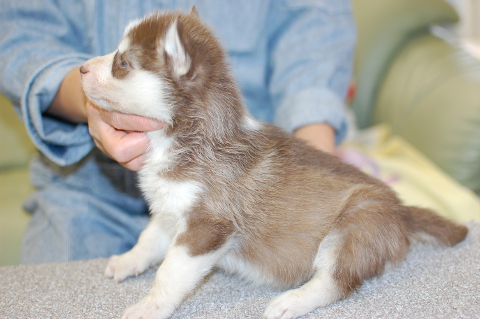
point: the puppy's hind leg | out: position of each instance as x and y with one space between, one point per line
320 291
371 231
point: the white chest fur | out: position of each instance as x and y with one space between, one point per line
168 199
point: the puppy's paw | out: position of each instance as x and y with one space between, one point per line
148 308
288 305
123 266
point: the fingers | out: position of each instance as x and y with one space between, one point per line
128 149
129 122
135 164
121 136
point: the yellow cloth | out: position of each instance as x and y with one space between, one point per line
417 181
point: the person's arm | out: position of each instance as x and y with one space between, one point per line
318 135
120 136
40 42
69 102
311 63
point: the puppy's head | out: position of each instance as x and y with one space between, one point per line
161 60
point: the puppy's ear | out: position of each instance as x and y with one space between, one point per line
194 12
175 49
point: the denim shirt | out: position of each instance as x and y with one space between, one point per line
291 58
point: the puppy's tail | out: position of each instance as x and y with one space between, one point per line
424 221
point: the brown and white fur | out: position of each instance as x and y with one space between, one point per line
228 191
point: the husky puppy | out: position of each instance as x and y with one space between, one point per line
228 191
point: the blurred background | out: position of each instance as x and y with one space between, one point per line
469 27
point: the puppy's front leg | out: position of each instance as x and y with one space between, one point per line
149 250
190 258
177 276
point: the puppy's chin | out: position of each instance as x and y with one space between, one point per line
100 99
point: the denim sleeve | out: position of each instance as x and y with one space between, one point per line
40 42
311 63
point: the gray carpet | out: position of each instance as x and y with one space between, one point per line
433 282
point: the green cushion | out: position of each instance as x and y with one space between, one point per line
383 28
14 188
15 145
431 97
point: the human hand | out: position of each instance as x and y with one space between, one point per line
121 136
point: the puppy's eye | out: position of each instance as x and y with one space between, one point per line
123 63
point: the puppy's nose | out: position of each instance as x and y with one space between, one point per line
83 70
